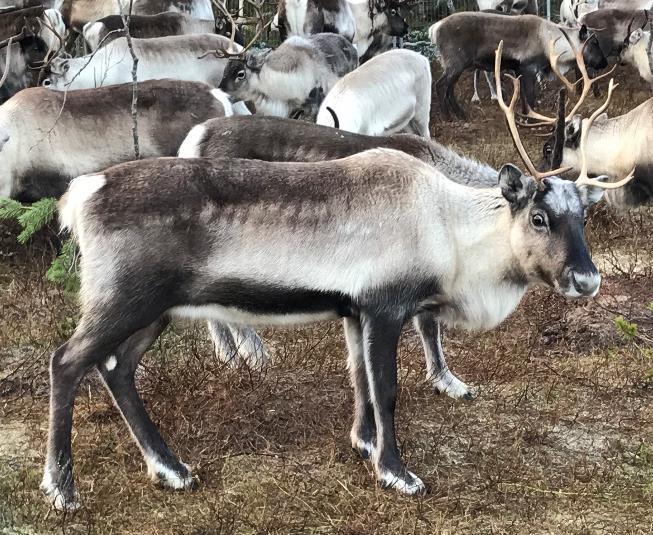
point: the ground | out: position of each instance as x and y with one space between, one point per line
559 439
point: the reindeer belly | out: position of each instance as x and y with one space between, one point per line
252 303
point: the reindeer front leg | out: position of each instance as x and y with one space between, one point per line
437 371
380 336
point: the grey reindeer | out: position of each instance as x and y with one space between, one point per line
527 58
102 32
280 81
373 238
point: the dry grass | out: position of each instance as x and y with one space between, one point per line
560 439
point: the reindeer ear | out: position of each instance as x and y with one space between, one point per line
583 33
517 188
590 195
636 36
255 60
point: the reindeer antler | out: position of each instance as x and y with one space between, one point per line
571 87
509 111
8 44
586 125
50 55
219 53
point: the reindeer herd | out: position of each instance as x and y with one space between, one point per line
241 215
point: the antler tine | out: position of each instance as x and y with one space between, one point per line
532 114
221 53
587 81
553 59
509 111
583 179
17 37
7 61
50 55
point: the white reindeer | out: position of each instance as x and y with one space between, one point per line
390 93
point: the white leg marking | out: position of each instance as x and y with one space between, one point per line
111 363
55 497
250 347
392 481
447 383
163 473
475 97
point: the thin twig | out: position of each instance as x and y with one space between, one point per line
134 108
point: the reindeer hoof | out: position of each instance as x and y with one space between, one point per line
177 479
63 499
406 483
447 383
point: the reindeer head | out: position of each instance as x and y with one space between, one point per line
398 27
637 41
548 213
238 74
513 7
396 23
58 74
546 230
592 51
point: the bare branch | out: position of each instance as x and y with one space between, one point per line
134 106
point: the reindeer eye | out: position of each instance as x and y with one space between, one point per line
393 12
538 221
548 150
240 75
66 67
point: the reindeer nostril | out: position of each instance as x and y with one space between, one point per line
586 284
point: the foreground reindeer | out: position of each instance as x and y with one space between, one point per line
373 238
527 58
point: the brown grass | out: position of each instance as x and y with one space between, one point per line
560 439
